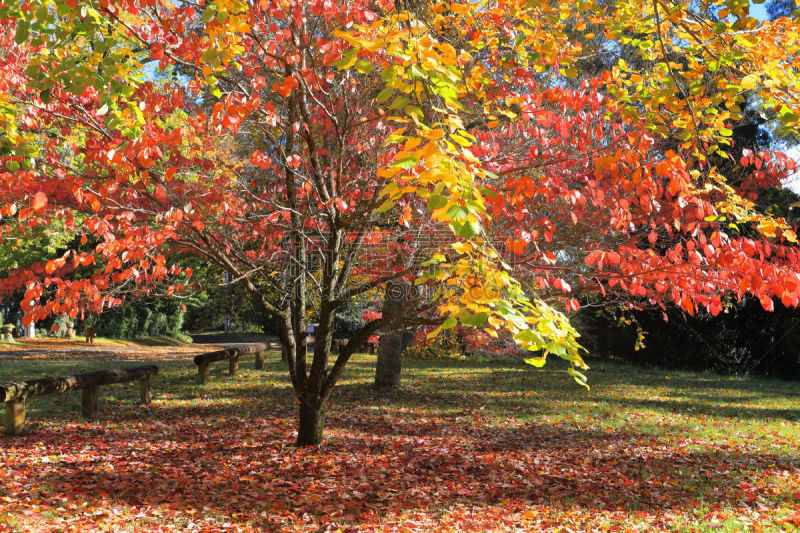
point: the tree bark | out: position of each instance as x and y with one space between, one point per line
389 365
391 344
312 422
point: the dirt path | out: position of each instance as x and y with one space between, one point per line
62 349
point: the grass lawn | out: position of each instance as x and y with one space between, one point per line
464 446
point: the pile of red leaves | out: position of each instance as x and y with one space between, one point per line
417 460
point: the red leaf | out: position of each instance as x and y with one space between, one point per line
161 193
258 83
157 52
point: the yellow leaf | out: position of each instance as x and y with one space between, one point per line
750 82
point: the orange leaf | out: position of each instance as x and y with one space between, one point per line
286 88
39 202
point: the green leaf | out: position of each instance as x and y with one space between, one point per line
399 102
538 362
526 336
436 201
407 163
385 94
414 111
557 348
475 321
364 67
389 73
578 377
416 72
385 206
347 60
460 140
209 13
457 212
23 31
469 229
570 72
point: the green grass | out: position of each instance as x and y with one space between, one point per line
652 449
148 341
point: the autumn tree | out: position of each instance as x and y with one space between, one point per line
312 149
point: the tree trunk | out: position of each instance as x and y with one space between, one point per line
387 369
391 344
312 422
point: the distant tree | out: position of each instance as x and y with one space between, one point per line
781 8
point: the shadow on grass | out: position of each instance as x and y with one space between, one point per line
444 388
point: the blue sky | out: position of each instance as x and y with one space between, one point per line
793 182
758 11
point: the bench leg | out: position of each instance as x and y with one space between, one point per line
89 401
259 360
15 417
145 394
202 373
233 366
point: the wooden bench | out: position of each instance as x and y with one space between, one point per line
204 360
15 394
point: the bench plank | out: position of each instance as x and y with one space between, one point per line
41 387
232 354
227 353
15 394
